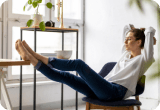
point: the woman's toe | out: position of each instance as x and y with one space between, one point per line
17 40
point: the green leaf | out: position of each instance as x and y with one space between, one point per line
154 76
148 1
139 4
39 1
24 8
29 2
49 5
35 4
158 16
42 26
131 2
30 22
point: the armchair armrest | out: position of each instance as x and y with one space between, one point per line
140 86
107 68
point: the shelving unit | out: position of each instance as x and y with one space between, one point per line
48 29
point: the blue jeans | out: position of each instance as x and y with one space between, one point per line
89 83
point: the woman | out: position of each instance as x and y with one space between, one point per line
112 87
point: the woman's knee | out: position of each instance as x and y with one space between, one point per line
82 66
79 62
79 65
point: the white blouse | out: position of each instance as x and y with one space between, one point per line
127 71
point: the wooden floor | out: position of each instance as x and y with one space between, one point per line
83 107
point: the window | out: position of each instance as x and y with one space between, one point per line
15 10
17 18
72 11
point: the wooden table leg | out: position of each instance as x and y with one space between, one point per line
4 91
0 80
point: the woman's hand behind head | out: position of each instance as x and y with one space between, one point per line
132 26
154 41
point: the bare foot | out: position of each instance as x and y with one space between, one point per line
44 59
21 50
28 48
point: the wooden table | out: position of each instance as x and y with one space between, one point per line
4 63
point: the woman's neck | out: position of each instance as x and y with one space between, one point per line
135 53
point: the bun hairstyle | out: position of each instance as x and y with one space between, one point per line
142 29
139 35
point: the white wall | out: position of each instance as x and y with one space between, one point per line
104 22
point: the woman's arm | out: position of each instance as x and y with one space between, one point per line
154 40
149 42
126 29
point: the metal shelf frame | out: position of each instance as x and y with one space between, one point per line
35 29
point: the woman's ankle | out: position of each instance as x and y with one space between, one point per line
42 58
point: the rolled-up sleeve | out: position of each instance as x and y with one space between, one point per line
38 65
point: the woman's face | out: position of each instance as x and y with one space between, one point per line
131 43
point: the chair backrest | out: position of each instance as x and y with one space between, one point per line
109 66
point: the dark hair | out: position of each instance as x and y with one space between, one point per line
139 35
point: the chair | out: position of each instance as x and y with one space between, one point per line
128 104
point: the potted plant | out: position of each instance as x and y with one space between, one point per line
36 19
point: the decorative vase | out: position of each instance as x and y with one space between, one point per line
37 19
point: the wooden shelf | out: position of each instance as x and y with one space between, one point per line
52 28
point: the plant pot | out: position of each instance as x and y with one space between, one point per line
37 19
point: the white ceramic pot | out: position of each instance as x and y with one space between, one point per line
37 19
